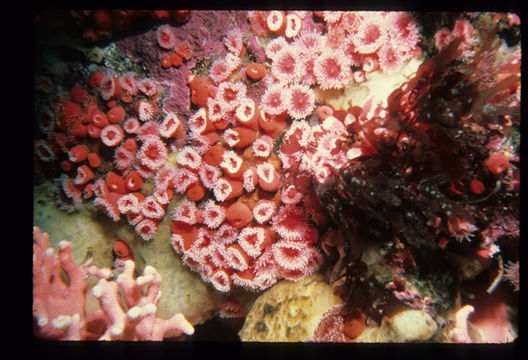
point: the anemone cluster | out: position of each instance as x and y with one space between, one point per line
227 124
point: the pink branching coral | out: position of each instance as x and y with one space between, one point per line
136 319
59 308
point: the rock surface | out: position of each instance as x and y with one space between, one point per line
289 311
91 231
406 326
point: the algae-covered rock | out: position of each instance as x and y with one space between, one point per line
92 234
289 311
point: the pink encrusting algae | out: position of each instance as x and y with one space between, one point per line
239 140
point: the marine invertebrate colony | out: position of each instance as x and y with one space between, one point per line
277 156
59 308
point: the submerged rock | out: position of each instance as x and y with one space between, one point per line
406 326
289 311
93 235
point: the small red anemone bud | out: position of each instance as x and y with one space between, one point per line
66 165
255 239
78 153
238 259
497 162
77 94
116 115
272 124
181 16
354 324
221 124
102 19
247 114
196 192
133 181
256 71
199 93
340 115
166 62
130 144
88 192
160 15
233 164
442 242
212 137
191 79
276 22
94 131
240 136
99 119
311 235
116 183
214 156
184 50
89 35
324 111
176 59
94 160
112 135
80 130
293 26
188 233
84 174
269 178
227 189
239 214
121 249
477 187
95 79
